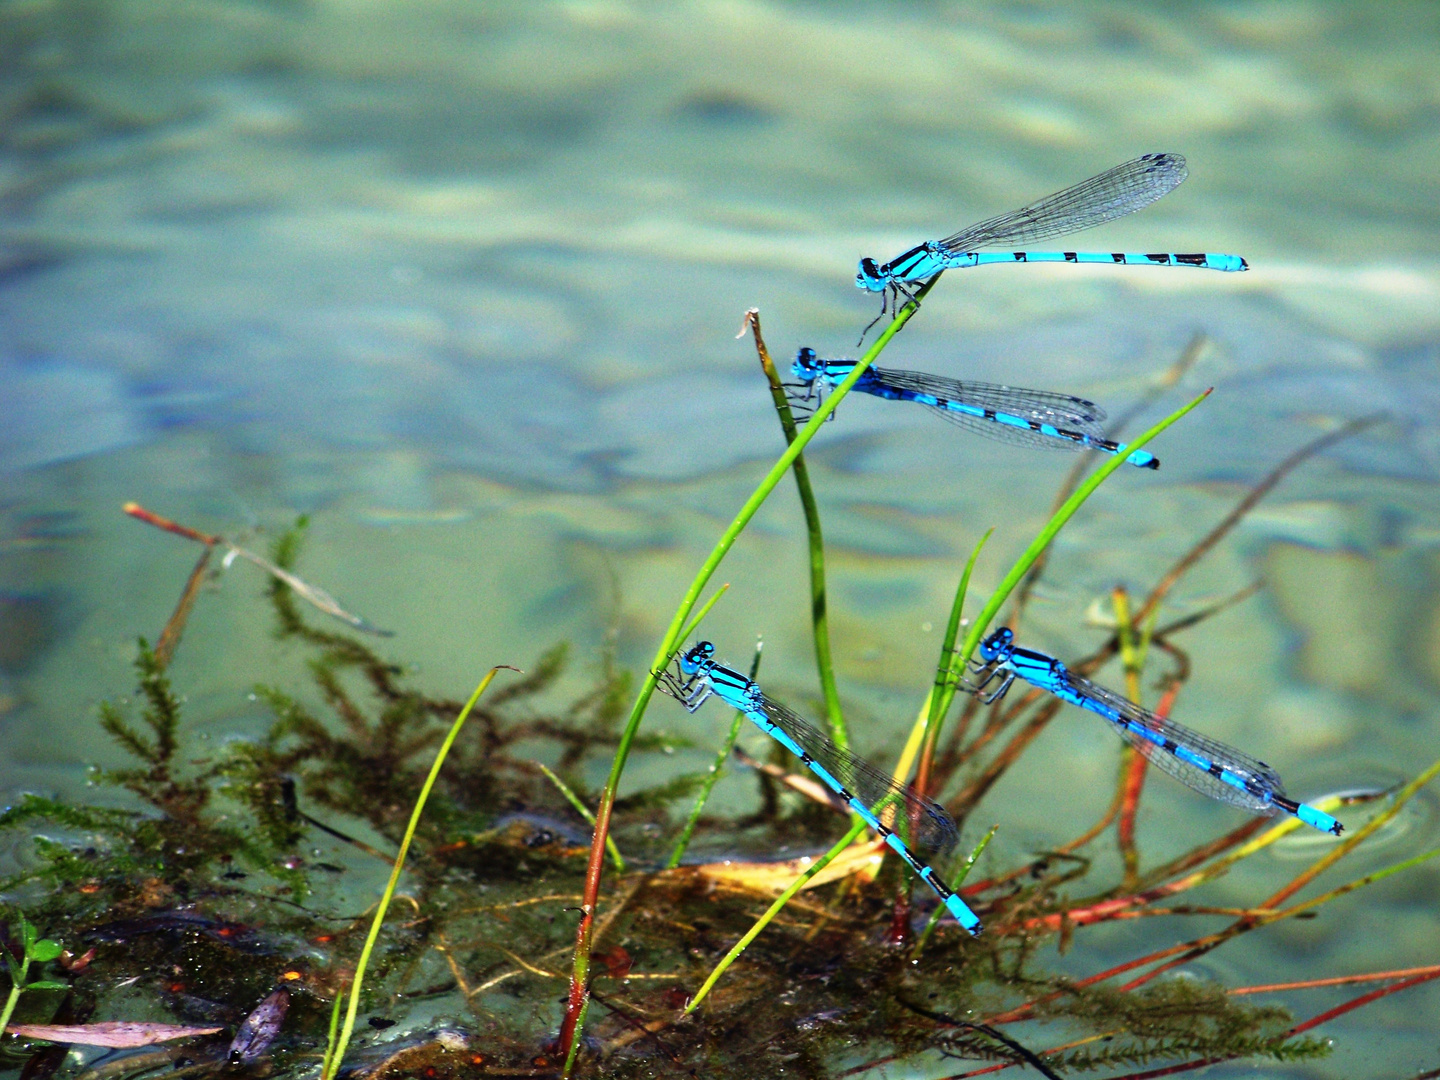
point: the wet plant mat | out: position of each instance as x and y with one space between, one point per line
215 926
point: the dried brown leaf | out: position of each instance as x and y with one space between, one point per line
117 1033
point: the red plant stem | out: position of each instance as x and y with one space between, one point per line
1064 849
1243 507
1205 852
1135 780
1107 910
1021 1011
135 510
1339 980
976 789
1125 830
1419 975
1364 999
579 983
175 626
1190 951
1134 784
1314 1021
982 1072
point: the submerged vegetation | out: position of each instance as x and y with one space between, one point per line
236 888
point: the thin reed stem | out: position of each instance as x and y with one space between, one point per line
1053 526
1337 980
569 1028
947 679
819 620
1131 763
1192 352
335 1056
583 811
1245 505
770 913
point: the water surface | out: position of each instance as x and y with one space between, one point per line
462 281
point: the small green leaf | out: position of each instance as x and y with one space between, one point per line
45 949
27 933
47 984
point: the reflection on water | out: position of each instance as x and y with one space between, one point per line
462 281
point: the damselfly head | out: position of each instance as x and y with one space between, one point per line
998 646
694 657
869 277
807 365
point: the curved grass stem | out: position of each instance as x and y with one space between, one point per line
770 913
819 618
694 623
569 1028
583 811
335 1053
947 677
1052 527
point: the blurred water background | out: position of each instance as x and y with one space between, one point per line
462 281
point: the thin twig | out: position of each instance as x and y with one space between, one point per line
175 626
1245 505
1171 377
312 594
1338 980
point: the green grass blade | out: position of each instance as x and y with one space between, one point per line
770 913
348 1027
955 884
330 1040
819 617
691 626
1358 883
946 675
1053 526
575 1044
584 811
16 988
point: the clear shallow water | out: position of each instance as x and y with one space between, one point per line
463 283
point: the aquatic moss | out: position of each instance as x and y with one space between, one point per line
209 893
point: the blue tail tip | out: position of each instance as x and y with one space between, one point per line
1319 819
1141 459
